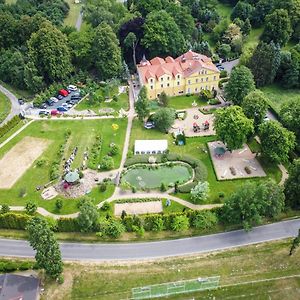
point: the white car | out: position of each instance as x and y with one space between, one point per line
66 105
72 88
54 99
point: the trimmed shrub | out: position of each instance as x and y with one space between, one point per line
180 223
9 125
203 219
67 225
14 221
187 187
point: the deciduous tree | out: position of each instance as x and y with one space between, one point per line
292 186
164 118
88 217
142 104
200 192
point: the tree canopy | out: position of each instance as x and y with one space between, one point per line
292 186
142 104
233 127
164 118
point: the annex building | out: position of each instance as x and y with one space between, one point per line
187 74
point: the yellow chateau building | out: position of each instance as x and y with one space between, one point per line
187 74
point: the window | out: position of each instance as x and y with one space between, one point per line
151 80
168 78
161 85
178 83
206 78
206 87
161 79
215 77
168 84
201 79
178 76
189 82
197 80
151 87
196 89
137 152
202 72
189 90
205 72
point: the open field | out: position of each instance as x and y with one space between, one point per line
83 133
196 147
182 102
74 11
263 271
4 107
19 158
278 95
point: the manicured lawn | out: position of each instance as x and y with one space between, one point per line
5 106
278 95
235 267
182 102
83 135
74 11
196 147
99 103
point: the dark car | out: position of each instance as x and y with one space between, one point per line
62 109
44 113
75 98
50 102
60 97
43 106
21 101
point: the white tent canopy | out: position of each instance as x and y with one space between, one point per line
150 146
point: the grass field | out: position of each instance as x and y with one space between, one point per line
123 101
82 136
182 102
4 107
74 12
194 147
237 267
278 95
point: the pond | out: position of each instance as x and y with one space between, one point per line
149 177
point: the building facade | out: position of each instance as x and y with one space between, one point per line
187 74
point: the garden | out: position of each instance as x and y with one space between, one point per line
64 136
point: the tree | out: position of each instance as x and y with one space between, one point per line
4 209
58 204
48 51
224 50
250 203
180 223
295 243
204 220
163 99
290 116
262 8
114 228
277 28
157 224
292 185
276 141
242 10
107 163
255 106
246 28
106 52
31 207
232 126
264 63
162 36
147 6
163 187
200 192
88 217
142 104
164 118
240 84
131 41
42 240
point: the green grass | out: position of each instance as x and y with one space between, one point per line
74 12
252 39
17 92
5 106
235 267
123 101
13 130
224 10
182 102
195 148
83 133
278 95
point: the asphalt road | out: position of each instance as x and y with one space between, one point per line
151 250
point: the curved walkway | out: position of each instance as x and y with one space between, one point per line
15 106
160 249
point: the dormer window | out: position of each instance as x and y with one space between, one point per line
151 80
178 76
161 79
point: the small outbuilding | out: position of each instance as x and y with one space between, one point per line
72 177
19 287
150 146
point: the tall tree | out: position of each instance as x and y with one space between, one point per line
292 186
164 118
290 116
240 84
142 104
131 42
242 10
43 241
49 52
277 28
276 141
88 217
232 126
106 52
264 63
262 8
162 35
255 106
147 6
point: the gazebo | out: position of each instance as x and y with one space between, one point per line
72 178
219 151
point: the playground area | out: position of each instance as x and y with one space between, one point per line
19 158
241 163
195 124
139 208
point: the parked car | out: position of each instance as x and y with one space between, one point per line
21 101
75 98
63 92
43 106
54 112
221 68
50 102
44 113
72 88
149 125
54 99
62 108
67 105
60 97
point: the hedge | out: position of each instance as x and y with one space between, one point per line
67 225
9 125
11 266
12 220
